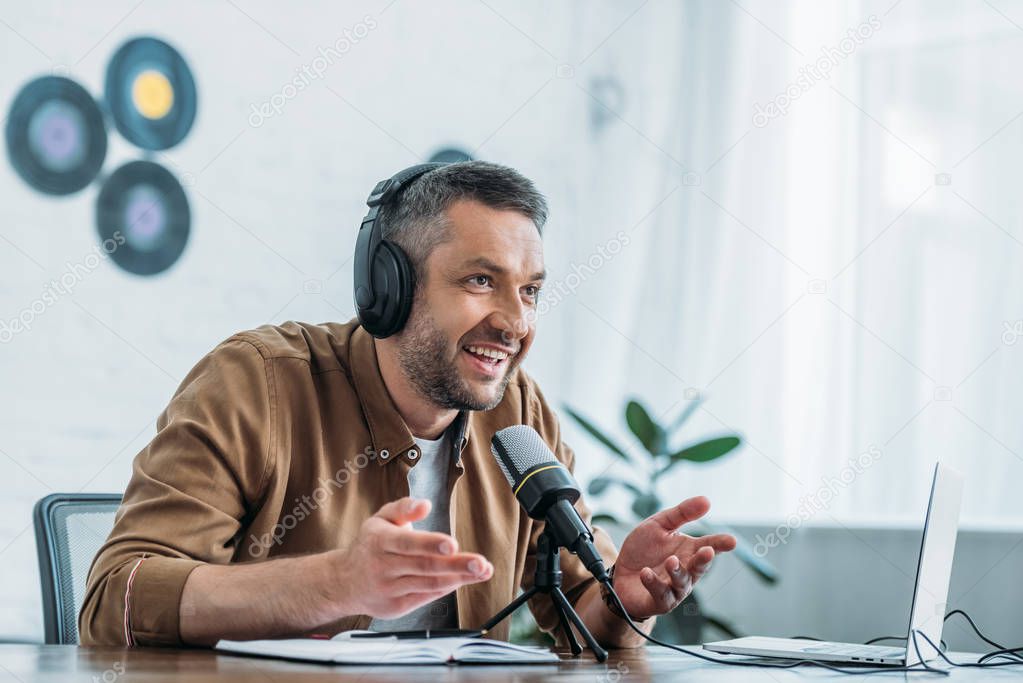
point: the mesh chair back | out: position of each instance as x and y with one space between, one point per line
70 528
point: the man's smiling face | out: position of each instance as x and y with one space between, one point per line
473 319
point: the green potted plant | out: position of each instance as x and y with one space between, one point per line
661 452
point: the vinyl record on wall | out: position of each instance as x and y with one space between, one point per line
56 138
143 208
151 93
450 155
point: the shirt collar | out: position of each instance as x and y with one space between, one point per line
391 437
460 430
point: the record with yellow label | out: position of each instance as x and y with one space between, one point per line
56 137
150 93
143 209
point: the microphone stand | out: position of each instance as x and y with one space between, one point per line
547 579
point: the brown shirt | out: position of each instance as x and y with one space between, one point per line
282 441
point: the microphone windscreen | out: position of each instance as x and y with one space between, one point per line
518 449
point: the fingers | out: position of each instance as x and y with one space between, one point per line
464 564
411 552
699 563
687 511
445 574
404 541
409 568
721 543
404 510
660 589
443 583
681 580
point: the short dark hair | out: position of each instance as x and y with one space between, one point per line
417 222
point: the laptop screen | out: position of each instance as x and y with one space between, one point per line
934 569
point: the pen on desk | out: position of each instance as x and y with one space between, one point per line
408 635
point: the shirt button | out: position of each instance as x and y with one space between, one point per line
385 454
413 454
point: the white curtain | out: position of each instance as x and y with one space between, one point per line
834 284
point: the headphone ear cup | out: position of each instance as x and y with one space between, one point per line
394 279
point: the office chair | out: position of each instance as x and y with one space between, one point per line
70 528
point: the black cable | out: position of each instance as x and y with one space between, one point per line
919 656
868 642
944 647
768 665
1001 649
880 638
975 665
1008 653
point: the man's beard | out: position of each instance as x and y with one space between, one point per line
423 355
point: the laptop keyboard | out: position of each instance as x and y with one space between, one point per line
850 650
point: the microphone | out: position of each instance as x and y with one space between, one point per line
546 490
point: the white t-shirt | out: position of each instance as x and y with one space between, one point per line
428 478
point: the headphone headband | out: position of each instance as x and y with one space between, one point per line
384 277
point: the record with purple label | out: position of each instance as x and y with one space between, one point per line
151 94
143 208
56 137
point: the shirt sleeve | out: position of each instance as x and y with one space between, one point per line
575 579
190 490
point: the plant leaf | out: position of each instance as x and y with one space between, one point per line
649 433
599 484
721 625
603 518
707 450
597 434
645 505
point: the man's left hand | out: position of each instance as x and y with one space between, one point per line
658 564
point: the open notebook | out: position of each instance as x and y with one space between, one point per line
342 649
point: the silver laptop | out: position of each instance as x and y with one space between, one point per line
930 594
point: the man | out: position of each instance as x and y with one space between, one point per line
309 479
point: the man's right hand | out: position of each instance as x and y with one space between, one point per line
391 569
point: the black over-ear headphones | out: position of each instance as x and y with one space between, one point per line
384 277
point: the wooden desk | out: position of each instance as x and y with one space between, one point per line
66 663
